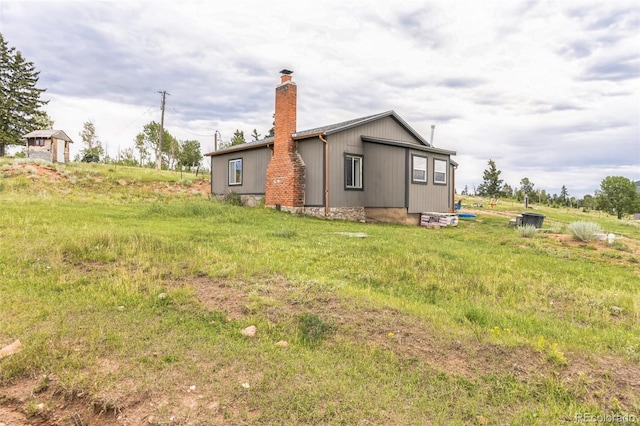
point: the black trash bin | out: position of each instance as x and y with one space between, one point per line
534 219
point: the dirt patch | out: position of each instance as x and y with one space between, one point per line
412 338
603 381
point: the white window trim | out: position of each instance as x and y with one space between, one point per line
232 172
414 168
355 171
439 170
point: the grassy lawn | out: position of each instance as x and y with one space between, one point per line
129 290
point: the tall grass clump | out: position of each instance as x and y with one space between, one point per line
313 330
232 198
526 231
584 231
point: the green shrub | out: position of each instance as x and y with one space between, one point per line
527 231
556 228
232 198
584 231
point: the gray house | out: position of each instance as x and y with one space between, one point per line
370 168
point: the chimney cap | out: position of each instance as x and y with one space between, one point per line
286 72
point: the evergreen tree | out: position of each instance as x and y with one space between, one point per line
491 181
238 138
43 121
272 130
255 135
20 101
564 195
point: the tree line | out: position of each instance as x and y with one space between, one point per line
21 113
617 195
238 138
20 98
176 154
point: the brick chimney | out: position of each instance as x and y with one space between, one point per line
286 171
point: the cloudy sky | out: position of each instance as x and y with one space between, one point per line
549 90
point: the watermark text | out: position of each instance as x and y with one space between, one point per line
605 418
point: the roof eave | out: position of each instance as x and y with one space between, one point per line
297 137
402 144
237 148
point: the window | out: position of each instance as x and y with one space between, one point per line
235 171
439 171
419 166
353 171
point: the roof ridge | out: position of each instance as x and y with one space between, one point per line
342 124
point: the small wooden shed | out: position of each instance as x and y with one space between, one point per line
50 145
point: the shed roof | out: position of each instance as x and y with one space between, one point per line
48 134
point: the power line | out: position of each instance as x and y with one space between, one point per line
187 131
136 119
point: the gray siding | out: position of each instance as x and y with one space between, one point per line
386 128
384 176
348 141
340 144
312 153
430 197
254 171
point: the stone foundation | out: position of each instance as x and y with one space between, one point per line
288 209
251 200
354 214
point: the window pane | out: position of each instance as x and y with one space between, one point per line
357 172
352 171
440 171
419 169
235 172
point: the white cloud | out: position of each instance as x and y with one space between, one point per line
549 90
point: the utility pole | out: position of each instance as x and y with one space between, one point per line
159 150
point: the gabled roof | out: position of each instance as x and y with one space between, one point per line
326 130
339 127
48 134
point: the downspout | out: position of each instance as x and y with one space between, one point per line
453 190
326 174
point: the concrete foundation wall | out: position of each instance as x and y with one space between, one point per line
392 215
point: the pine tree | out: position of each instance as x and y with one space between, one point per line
564 195
491 181
238 138
20 101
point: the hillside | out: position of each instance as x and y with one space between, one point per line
133 294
